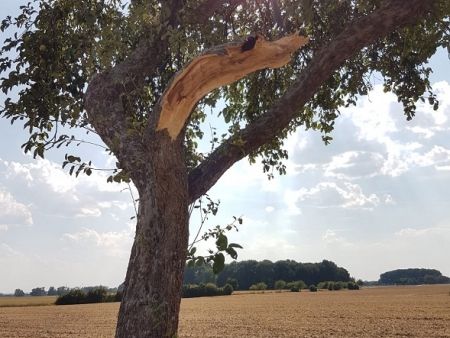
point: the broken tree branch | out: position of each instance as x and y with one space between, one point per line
218 67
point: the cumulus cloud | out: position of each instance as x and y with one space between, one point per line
13 213
332 195
64 195
354 165
111 242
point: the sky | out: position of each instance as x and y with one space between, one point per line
375 199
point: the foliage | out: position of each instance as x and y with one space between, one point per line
62 290
251 272
227 289
199 274
258 286
93 295
19 293
233 282
352 286
52 291
413 277
62 44
338 285
279 285
38 292
313 288
215 258
296 285
205 290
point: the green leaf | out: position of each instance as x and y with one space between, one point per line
235 245
219 263
222 242
200 261
231 252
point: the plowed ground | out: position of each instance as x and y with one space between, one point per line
417 311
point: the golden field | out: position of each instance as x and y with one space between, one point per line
413 311
27 301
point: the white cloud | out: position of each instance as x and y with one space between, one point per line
425 132
7 251
388 199
372 116
331 238
55 192
290 199
423 232
269 209
112 243
354 164
331 194
12 212
89 212
439 117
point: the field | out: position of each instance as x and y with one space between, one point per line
27 301
414 311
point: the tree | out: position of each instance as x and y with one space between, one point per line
52 291
19 293
62 290
134 75
279 285
233 282
413 276
38 292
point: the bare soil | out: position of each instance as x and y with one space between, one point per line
412 311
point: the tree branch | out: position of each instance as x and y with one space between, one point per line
391 16
217 67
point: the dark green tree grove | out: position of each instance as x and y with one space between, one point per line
252 272
413 277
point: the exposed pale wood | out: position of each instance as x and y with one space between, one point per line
216 68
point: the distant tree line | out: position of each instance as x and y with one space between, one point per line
242 275
60 291
413 277
205 290
98 294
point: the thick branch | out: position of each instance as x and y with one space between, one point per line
216 68
393 15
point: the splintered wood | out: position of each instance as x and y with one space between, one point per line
218 67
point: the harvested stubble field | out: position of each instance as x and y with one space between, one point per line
417 311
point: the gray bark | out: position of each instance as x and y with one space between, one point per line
151 300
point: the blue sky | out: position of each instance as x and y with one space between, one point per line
376 199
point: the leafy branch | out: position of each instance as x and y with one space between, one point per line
216 257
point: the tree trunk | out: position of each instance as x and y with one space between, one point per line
152 294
